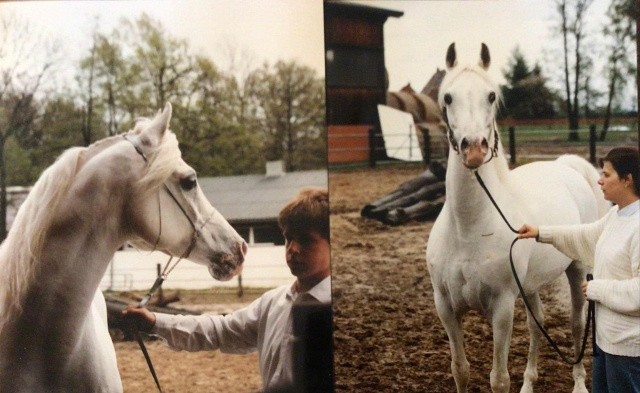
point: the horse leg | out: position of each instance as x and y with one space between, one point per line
576 276
453 325
531 372
502 322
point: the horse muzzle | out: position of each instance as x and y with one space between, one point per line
225 267
473 155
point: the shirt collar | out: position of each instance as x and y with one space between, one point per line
322 290
630 209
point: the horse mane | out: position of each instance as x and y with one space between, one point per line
21 250
23 245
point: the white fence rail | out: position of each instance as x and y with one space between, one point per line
265 267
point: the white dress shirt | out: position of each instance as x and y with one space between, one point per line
266 326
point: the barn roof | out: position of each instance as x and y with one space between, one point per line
361 10
256 198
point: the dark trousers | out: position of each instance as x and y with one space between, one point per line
615 374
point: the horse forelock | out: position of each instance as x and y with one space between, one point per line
21 250
162 160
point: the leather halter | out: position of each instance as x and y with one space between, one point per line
454 143
158 283
196 231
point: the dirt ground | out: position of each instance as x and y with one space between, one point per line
197 372
388 337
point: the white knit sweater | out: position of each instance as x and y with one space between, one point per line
611 246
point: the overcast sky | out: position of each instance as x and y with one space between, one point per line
270 30
416 43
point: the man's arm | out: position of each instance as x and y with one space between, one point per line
233 333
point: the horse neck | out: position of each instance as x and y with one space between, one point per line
83 233
467 201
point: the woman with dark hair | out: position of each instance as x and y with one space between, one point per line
611 246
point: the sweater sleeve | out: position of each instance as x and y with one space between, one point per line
233 333
578 242
622 296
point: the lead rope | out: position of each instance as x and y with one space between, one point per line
168 267
590 311
156 285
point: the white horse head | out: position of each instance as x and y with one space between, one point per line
169 193
469 99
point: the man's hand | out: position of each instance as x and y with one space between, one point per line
140 317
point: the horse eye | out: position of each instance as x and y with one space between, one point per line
188 183
448 99
492 97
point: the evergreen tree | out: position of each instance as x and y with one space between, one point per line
526 95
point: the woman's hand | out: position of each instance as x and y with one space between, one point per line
584 289
528 231
141 317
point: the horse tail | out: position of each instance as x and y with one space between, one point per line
591 175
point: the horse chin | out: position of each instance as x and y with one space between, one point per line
224 271
474 163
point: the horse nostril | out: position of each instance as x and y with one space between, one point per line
464 144
485 143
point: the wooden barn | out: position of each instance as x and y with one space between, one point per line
355 78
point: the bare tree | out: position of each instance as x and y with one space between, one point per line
88 65
163 61
572 26
620 29
241 63
26 60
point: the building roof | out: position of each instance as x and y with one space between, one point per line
364 11
255 198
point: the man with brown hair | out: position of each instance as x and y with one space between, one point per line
266 324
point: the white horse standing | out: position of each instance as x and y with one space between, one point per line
53 322
468 248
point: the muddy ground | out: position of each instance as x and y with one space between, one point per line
388 337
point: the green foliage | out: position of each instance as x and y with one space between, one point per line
526 95
19 169
226 124
292 114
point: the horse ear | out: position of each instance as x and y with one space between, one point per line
159 125
452 60
485 57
